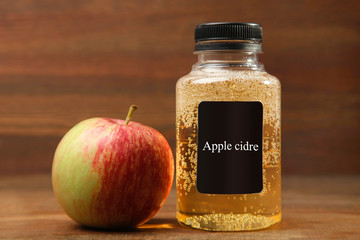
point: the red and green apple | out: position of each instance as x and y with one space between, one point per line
110 173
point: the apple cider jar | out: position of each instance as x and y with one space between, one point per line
228 174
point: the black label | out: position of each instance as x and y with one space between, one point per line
230 147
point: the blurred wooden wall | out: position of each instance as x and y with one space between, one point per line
63 61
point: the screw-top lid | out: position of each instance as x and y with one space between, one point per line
228 31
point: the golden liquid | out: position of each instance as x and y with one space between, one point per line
227 212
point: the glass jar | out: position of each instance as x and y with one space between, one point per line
228 170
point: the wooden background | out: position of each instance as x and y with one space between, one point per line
63 61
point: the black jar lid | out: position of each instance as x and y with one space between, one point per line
228 35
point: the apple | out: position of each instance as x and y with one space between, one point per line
111 173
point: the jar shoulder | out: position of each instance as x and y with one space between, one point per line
196 77
273 79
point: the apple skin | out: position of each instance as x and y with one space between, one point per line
106 174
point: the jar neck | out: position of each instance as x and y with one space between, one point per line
238 59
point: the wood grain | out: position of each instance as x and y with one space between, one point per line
64 61
323 207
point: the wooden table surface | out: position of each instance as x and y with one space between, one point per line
322 207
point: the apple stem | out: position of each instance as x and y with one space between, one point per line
130 113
